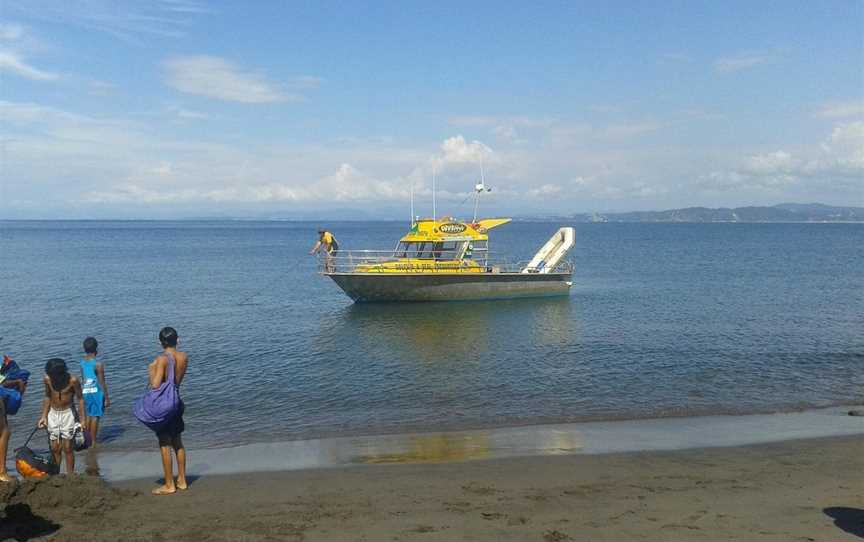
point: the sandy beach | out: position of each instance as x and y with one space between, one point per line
795 490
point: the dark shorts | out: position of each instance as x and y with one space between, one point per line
173 427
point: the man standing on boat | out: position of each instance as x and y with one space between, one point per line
327 241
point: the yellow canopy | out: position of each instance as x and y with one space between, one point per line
449 229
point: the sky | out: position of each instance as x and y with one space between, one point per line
183 108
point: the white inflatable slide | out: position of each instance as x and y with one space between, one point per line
555 250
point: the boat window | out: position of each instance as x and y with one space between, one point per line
448 250
428 250
401 250
421 249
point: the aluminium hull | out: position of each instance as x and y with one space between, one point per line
378 287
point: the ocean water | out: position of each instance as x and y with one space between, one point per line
663 320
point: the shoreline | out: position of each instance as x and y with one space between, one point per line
794 490
586 438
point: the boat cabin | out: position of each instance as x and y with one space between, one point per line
446 240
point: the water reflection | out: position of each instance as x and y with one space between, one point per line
504 442
436 332
436 448
467 445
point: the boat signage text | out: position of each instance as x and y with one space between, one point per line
452 227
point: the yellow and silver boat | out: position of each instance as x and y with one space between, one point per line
445 260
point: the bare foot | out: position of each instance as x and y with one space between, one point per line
4 477
164 490
182 485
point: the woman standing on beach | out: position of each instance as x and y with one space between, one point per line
171 364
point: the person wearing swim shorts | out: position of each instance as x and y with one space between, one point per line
171 363
93 387
61 390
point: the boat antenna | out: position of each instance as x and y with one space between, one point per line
434 213
479 188
411 218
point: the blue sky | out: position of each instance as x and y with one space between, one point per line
180 108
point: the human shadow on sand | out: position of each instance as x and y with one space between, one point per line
20 524
850 520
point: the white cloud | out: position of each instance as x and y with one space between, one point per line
11 31
347 184
837 163
546 191
605 109
505 128
17 44
526 130
12 63
744 61
215 77
583 133
628 130
163 169
101 88
139 166
456 150
305 82
492 121
188 114
25 113
506 133
839 110
132 193
128 20
845 149
772 163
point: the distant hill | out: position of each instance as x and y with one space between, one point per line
785 212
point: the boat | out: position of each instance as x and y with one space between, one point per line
445 259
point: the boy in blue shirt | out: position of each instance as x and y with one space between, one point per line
93 387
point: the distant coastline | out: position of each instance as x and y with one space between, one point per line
782 213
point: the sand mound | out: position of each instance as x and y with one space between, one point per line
32 508
82 493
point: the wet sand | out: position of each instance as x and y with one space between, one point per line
796 490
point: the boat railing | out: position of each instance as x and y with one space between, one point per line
389 261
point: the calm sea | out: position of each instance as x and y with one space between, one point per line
662 320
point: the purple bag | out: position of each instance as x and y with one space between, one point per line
158 406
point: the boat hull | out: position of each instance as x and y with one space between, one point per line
381 287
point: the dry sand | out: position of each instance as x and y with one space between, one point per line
794 491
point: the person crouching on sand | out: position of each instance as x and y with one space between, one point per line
61 389
170 361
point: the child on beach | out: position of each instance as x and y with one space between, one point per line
11 378
5 435
93 387
171 363
58 416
